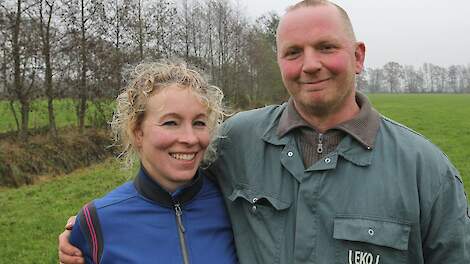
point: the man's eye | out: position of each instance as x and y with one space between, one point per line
327 48
292 53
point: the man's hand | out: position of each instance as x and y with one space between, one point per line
69 254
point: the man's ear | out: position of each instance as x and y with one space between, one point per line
360 55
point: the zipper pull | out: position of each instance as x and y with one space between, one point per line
320 143
179 213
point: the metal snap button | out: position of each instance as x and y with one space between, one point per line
253 209
290 153
327 160
255 200
371 232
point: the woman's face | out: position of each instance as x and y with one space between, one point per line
173 136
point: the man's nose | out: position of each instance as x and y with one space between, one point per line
311 61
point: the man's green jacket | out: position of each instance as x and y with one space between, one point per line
399 202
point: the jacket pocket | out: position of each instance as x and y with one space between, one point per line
258 224
368 240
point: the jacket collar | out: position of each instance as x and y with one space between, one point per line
354 148
151 190
270 134
363 127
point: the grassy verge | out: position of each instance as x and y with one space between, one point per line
32 216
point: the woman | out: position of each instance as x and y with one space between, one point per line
171 212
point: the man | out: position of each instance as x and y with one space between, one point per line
324 178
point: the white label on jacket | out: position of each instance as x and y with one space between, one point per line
359 257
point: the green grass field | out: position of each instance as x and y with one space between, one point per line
64 113
31 217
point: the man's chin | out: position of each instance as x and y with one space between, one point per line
318 107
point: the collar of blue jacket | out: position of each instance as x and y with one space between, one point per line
151 190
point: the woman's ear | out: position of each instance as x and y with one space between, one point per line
138 135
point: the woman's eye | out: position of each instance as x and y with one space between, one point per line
169 123
199 123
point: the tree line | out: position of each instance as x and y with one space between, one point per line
83 49
429 78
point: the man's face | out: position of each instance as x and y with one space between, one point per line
318 59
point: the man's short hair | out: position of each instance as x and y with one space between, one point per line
342 12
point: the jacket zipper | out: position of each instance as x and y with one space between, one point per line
181 231
320 143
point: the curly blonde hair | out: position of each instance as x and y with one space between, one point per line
146 80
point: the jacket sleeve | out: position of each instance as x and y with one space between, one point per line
78 240
446 238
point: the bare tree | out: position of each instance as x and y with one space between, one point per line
192 32
265 82
268 23
113 30
4 53
361 81
46 8
25 60
237 62
376 79
441 78
393 72
81 18
164 35
413 80
139 27
185 28
466 78
453 76
152 29
463 79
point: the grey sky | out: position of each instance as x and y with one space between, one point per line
410 33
